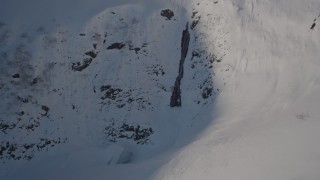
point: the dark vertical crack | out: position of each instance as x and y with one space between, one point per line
176 94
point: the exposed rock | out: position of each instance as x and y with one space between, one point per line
195 22
16 76
176 94
116 46
167 13
207 92
110 93
45 109
136 49
91 54
313 25
27 151
79 67
131 132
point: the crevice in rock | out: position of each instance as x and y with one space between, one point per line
176 93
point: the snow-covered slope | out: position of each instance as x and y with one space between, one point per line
87 89
267 120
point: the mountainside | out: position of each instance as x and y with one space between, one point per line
174 89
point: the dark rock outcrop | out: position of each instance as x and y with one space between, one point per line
116 46
176 94
132 132
167 13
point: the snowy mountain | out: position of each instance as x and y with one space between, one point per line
179 89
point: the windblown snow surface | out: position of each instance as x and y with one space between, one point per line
85 89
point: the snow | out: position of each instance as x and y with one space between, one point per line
261 121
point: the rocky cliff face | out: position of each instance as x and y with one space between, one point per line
106 83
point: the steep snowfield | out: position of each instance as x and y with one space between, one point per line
267 122
86 87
